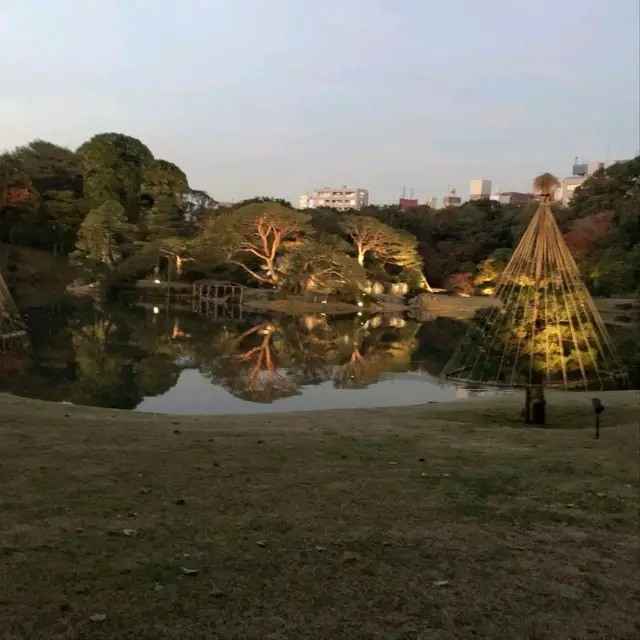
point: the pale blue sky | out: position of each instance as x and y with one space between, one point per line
276 97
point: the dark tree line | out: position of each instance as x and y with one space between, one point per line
111 209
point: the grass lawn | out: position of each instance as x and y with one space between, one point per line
442 521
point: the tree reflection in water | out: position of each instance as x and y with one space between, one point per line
114 357
250 371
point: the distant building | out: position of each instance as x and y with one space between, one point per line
306 202
580 173
479 189
451 199
341 199
407 203
513 197
432 202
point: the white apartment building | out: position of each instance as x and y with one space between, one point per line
480 189
341 198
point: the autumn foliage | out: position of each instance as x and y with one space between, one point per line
461 283
586 232
14 195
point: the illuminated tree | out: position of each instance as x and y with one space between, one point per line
257 233
320 266
389 246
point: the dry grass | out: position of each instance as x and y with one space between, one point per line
441 521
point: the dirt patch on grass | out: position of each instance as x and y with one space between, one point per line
440 521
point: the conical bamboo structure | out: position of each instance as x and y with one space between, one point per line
545 329
11 323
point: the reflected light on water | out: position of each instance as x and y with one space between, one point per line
193 394
154 358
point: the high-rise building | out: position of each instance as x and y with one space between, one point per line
479 189
341 198
432 202
451 199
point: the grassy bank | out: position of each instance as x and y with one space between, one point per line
441 521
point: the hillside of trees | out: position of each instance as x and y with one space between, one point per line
110 210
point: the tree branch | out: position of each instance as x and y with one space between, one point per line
250 271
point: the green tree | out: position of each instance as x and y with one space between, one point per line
64 211
164 219
113 167
616 188
50 217
105 235
20 208
49 166
163 189
634 261
614 275
163 178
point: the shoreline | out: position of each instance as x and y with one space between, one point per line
558 402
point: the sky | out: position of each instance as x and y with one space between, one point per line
279 97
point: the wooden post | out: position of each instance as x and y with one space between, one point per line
526 414
538 405
598 408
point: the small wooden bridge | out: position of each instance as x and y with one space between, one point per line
209 297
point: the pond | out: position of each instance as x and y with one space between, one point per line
164 361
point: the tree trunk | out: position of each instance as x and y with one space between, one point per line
361 257
271 272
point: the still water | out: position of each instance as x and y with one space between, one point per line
167 362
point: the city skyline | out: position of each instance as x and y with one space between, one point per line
305 110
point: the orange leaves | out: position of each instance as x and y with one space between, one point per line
586 232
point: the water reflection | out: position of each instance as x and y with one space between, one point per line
123 357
